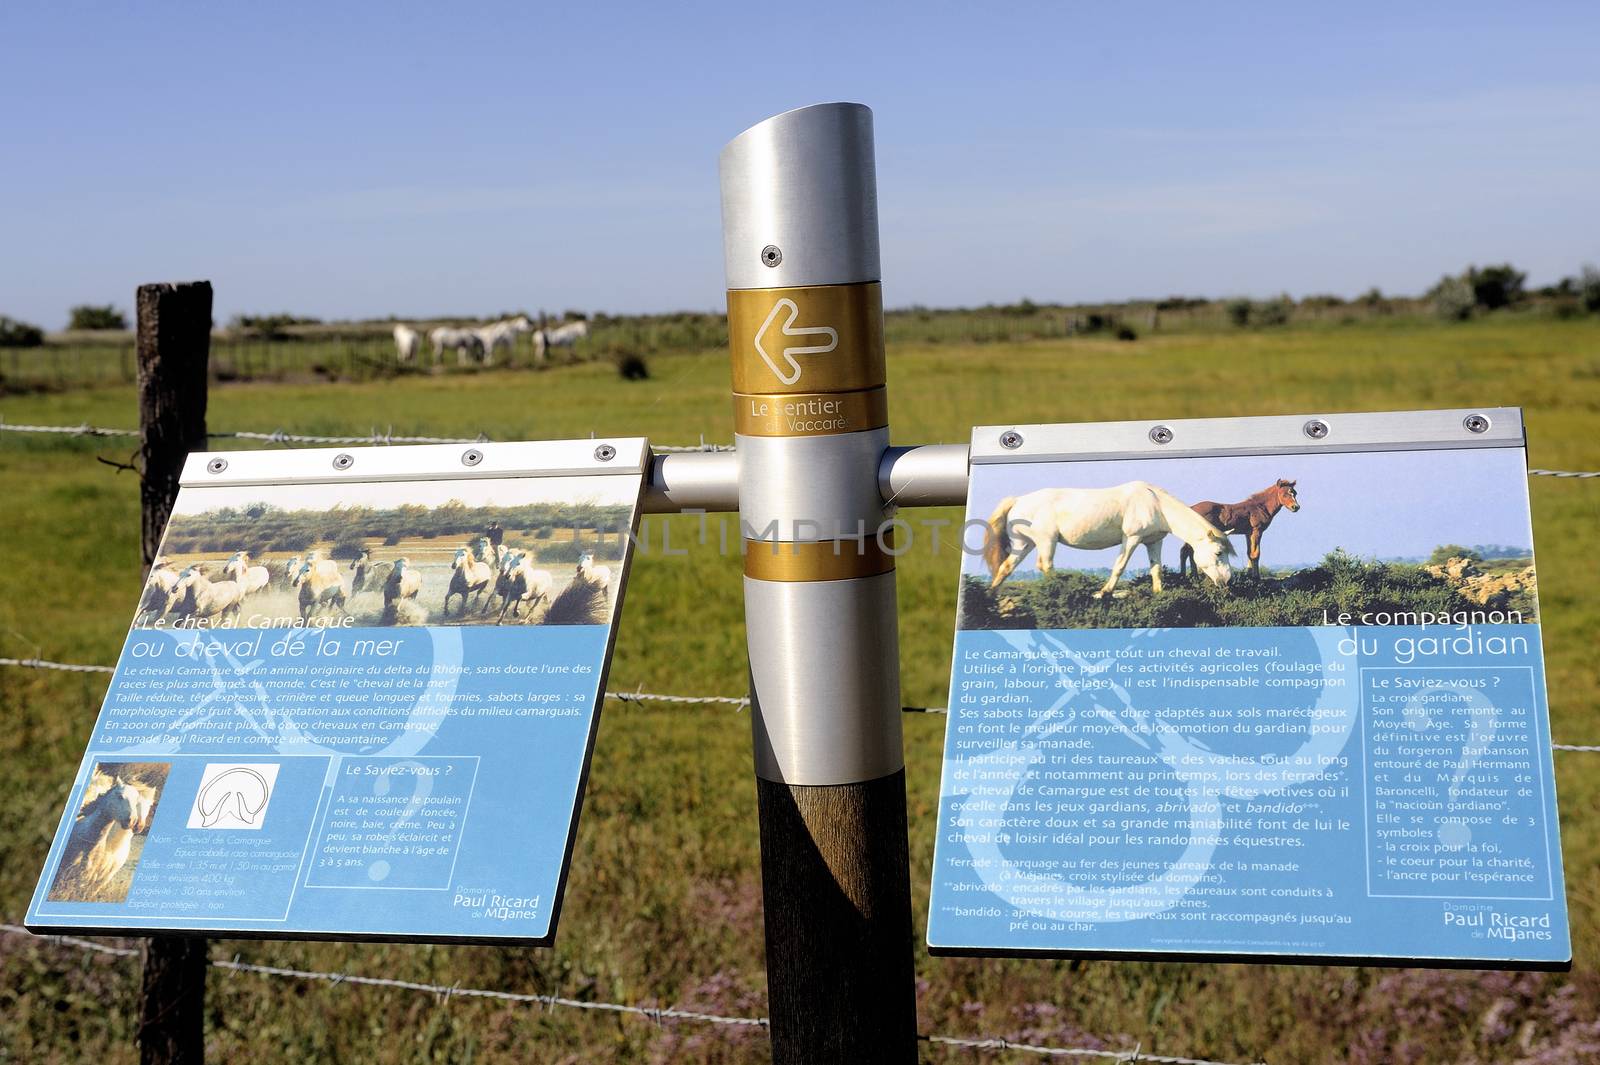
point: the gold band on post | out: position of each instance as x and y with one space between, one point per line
810 413
824 560
819 338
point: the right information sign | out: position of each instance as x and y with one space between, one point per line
1255 689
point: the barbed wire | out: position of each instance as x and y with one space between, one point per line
656 1014
280 436
736 701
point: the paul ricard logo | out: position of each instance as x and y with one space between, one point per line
790 370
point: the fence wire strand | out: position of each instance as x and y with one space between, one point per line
280 436
654 1013
735 701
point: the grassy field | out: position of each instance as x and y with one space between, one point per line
663 904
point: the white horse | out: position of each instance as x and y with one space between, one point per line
407 342
502 334
463 341
566 336
469 577
102 839
1096 518
251 579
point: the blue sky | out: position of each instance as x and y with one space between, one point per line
367 159
1378 504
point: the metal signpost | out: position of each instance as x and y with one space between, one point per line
1325 749
1176 770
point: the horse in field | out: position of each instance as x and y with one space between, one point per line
1096 518
1250 517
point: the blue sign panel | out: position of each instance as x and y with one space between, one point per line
1326 738
351 710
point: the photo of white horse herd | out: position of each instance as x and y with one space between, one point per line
484 583
480 343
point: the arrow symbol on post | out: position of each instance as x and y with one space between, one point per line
788 329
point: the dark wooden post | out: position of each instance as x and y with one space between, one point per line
174 347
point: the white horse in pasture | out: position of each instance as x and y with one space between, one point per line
562 336
463 342
502 334
407 342
1097 518
101 840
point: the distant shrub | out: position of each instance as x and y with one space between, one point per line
1452 299
393 538
543 532
1494 287
1374 300
15 334
348 547
1180 303
1127 332
88 316
1273 312
1238 311
1445 552
1322 300
1589 287
268 326
633 368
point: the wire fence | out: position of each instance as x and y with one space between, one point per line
738 702
658 1014
280 436
374 437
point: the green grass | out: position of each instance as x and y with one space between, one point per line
663 903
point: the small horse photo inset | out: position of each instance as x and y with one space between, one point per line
107 838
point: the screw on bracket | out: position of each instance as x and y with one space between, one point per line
1316 428
1011 440
471 457
771 255
1161 434
1475 423
216 465
605 452
343 460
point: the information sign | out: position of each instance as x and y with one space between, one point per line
358 698
1258 688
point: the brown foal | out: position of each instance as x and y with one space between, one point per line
1250 516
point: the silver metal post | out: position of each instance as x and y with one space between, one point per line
805 326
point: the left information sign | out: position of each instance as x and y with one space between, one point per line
358 698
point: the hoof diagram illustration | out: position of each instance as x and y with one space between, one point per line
233 796
792 374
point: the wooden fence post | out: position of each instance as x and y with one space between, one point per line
174 347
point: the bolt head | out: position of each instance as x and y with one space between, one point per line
1011 439
771 255
1476 423
216 465
605 453
471 457
1161 434
1316 428
343 461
